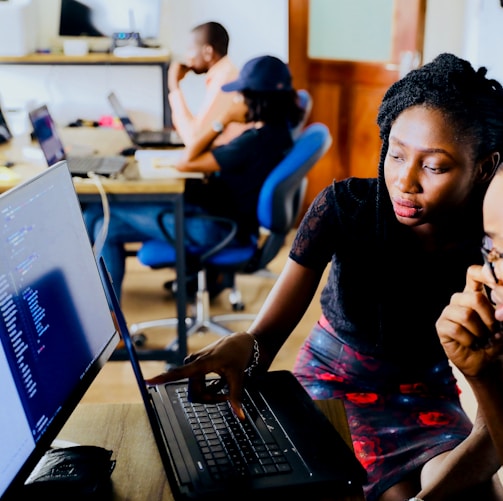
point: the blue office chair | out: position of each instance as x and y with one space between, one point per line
279 205
306 103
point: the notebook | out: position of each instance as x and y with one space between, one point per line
143 138
291 448
56 331
44 130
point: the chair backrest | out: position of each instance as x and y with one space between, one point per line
282 193
306 103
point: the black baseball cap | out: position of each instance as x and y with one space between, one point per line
262 74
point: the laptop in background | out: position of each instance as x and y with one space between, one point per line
5 133
44 130
56 330
298 450
143 138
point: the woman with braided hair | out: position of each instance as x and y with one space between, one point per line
399 247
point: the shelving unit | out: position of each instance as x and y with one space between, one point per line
103 59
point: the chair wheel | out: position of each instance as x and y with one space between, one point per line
139 340
238 307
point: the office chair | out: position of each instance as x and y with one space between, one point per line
306 103
279 205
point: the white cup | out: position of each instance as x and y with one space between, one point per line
75 47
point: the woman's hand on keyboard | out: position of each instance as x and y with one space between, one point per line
229 357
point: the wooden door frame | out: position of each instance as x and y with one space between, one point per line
409 17
346 94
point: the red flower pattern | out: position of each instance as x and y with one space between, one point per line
368 452
433 419
362 398
326 376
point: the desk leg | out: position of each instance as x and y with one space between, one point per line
181 279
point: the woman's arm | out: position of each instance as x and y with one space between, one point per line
197 156
231 355
283 308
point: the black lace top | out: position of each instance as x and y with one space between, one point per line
384 291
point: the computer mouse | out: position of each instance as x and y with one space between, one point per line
128 152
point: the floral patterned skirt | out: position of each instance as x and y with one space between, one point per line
396 426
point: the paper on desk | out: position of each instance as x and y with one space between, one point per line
161 164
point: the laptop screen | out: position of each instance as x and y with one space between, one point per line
44 130
122 115
5 133
56 329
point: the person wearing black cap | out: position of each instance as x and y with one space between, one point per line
234 172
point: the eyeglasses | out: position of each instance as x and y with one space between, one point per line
490 255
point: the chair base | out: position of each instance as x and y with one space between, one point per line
202 321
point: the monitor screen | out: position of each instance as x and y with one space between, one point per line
56 329
103 18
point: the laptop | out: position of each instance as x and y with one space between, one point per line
56 331
5 133
44 130
291 447
143 138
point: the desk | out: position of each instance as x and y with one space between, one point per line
139 474
101 59
127 188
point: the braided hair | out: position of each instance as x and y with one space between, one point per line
470 101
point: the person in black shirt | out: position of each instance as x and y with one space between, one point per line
398 247
234 172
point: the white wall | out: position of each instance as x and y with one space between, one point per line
469 28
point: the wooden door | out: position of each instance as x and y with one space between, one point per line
346 94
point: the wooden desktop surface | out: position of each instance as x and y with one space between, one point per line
139 474
27 160
90 58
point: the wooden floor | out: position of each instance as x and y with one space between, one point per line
145 298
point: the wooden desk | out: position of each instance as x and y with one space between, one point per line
139 474
126 188
99 58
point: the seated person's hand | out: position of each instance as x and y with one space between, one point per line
176 72
228 357
468 329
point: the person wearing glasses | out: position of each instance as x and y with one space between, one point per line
470 328
398 246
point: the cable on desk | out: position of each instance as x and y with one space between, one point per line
100 240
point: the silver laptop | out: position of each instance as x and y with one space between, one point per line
44 130
286 446
143 138
56 331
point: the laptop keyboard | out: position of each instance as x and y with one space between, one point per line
234 448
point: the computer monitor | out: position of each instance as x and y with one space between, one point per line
103 18
56 328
